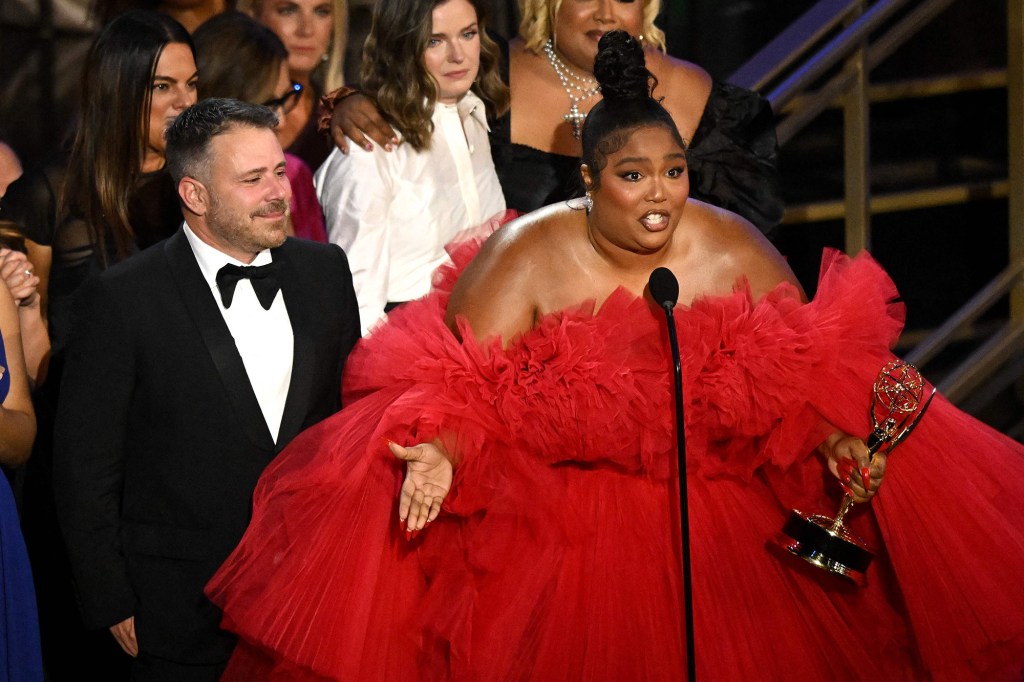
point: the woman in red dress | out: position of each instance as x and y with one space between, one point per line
521 523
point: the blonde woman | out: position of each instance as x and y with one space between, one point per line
314 32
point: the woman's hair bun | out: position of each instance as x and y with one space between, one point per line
620 67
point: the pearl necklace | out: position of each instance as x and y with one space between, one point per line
573 84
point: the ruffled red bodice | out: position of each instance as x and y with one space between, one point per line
557 555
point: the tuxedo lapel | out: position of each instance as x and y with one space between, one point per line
198 299
301 314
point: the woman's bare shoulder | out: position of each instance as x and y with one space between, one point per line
517 48
523 61
501 289
519 250
675 70
528 233
685 87
732 250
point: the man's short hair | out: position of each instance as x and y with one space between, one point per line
188 138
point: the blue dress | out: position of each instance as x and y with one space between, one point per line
20 655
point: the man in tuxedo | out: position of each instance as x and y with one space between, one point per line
191 365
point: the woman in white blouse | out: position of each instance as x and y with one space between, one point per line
435 74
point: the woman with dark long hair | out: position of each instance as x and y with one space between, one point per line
108 196
434 72
139 75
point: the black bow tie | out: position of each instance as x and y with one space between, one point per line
263 277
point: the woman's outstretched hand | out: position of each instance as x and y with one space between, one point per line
428 478
849 461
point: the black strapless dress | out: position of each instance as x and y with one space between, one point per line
732 161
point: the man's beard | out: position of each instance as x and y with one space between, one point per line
246 232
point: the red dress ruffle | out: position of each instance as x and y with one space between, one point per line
557 554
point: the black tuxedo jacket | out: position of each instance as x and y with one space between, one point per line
160 439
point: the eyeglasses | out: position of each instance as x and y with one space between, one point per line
287 101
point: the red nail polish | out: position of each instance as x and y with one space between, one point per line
401 523
865 474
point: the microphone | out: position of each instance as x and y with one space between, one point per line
664 288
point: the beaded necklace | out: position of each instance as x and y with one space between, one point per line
578 88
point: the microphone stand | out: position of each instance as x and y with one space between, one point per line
665 288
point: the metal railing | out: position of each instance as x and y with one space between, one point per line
824 59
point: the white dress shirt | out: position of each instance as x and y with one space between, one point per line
264 338
393 212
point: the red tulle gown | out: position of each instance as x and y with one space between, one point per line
557 554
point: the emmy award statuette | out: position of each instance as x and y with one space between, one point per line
896 408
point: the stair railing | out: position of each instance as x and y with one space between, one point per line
847 39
